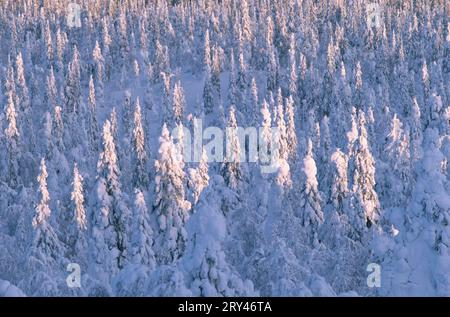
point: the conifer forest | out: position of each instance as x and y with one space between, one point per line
224 148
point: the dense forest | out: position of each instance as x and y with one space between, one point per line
112 168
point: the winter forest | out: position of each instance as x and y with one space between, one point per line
98 196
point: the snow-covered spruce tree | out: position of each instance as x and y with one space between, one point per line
47 141
99 68
216 69
345 252
141 241
171 209
291 132
77 197
337 227
358 94
24 103
207 52
231 167
60 46
310 209
178 103
12 143
22 89
233 91
92 118
46 253
205 265
165 113
265 140
198 178
293 71
161 62
140 177
271 58
242 85
10 81
111 218
415 131
211 88
426 231
72 89
365 199
79 218
208 95
426 114
115 132
48 44
352 138
254 103
51 92
399 175
324 157
107 41
281 125
58 128
127 117
339 191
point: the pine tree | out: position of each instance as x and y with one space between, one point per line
170 207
